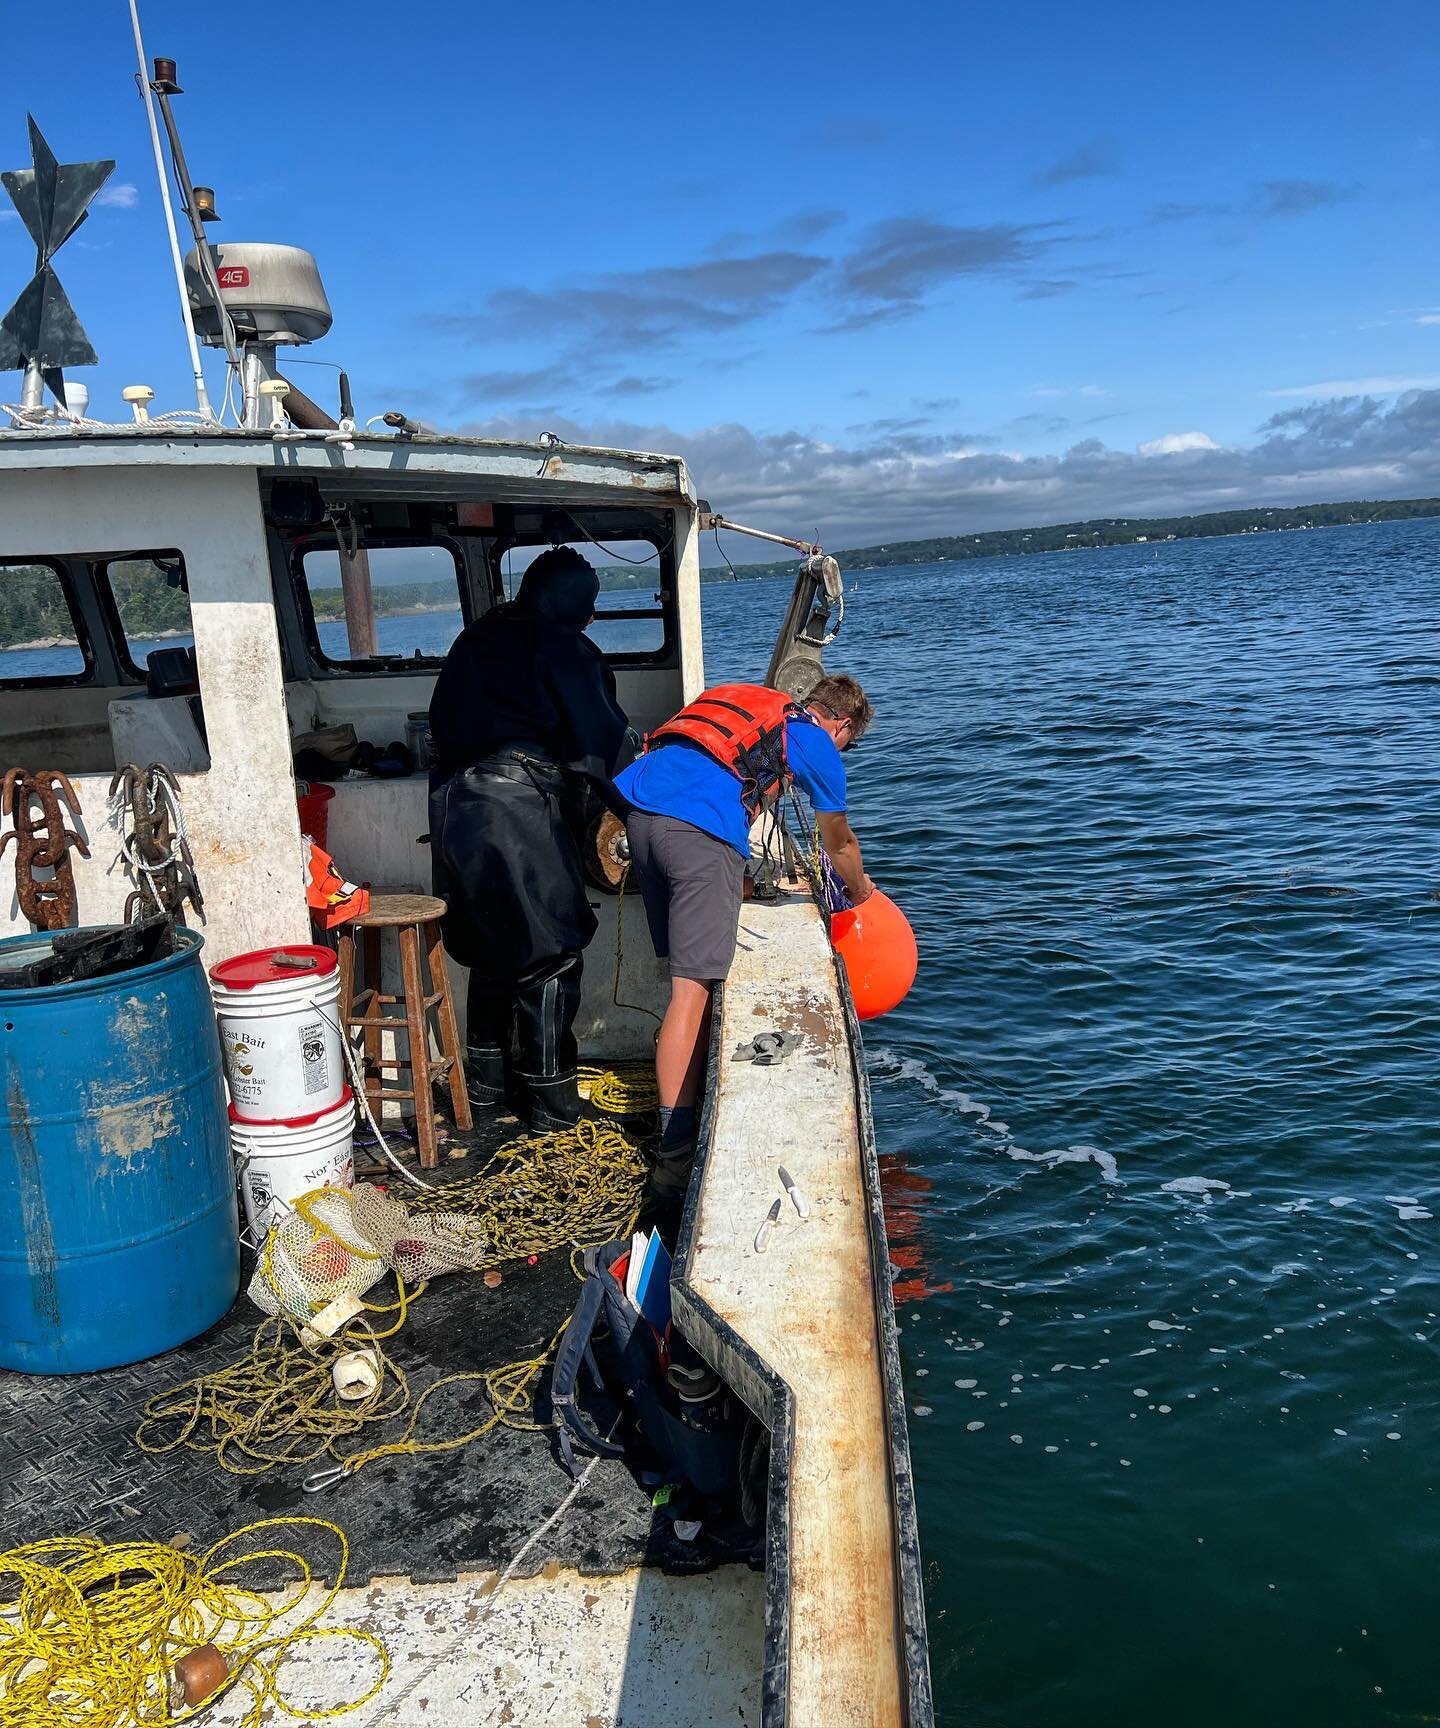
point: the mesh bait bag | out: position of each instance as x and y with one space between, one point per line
418 1247
340 1242
313 1256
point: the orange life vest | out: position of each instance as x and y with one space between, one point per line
742 726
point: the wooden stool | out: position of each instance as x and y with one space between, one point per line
411 916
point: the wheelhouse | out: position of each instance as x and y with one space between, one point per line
219 603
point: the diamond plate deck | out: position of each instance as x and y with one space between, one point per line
69 1465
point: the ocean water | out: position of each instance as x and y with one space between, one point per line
1158 1122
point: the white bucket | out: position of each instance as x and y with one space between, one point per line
280 1161
279 1013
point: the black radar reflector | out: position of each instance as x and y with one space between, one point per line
52 198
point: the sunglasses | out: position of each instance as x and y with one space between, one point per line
844 720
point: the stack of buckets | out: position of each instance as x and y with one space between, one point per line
292 1116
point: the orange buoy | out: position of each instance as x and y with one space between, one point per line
878 947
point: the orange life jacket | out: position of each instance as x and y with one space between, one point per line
742 726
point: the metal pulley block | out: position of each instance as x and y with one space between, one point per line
606 855
821 565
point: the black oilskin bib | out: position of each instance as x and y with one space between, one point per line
506 862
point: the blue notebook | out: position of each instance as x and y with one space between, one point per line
653 1289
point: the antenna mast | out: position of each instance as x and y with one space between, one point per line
202 396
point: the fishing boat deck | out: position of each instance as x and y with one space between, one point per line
608 1617
69 1463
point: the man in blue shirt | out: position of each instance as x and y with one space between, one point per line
689 833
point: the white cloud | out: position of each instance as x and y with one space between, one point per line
1403 314
905 486
1361 386
1173 443
121 197
1070 390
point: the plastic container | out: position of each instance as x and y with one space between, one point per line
314 807
279 1013
117 1196
419 742
280 1161
878 947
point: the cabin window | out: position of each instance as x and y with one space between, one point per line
40 638
416 594
151 597
630 614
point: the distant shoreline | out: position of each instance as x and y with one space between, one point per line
1116 545
49 642
394 612
46 643
1100 534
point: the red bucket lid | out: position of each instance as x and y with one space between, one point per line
264 966
347 1099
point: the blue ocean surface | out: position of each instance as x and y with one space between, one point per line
1158 1121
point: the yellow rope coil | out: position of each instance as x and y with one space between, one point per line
90 1631
276 1404
628 1089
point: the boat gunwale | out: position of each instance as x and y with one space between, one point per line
913 1631
776 1394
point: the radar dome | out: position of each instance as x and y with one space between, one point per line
272 293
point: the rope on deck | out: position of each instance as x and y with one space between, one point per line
276 1405
98 1633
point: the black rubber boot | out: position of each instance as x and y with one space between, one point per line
551 1106
546 1003
489 1019
486 1078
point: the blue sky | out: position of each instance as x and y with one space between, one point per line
875 271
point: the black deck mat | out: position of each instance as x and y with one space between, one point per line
69 1465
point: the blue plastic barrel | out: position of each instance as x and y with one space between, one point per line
117 1197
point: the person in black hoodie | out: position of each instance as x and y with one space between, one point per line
527 735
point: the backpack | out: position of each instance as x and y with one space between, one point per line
674 1439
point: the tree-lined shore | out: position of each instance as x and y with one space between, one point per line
1101 531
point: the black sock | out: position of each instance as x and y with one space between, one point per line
677 1126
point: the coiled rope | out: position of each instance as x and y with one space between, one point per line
276 1405
628 1089
90 1631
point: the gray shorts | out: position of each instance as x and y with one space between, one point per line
692 885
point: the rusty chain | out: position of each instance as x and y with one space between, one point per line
42 843
155 852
